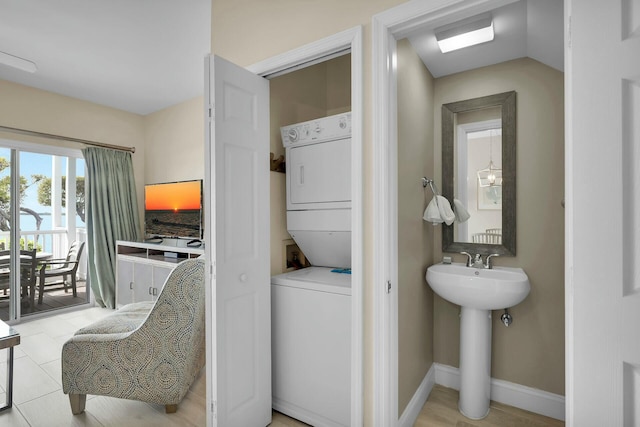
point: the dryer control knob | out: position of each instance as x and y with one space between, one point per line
293 135
243 277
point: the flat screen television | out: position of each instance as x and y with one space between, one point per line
173 209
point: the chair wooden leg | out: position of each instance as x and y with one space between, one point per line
77 402
64 283
32 294
73 285
170 409
41 290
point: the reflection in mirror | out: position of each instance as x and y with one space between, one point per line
477 135
478 175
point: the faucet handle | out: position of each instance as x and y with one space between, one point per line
469 258
488 261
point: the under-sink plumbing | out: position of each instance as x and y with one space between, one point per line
506 318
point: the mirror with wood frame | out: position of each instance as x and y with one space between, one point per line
479 171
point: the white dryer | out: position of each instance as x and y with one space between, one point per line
310 345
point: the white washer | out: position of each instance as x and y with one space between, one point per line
311 345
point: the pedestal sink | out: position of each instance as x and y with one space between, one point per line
477 291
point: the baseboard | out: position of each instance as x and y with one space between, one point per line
411 412
516 395
302 414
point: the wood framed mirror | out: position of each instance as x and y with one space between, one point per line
479 170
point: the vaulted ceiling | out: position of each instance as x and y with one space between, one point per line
144 55
525 28
134 55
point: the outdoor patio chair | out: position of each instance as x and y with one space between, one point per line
63 267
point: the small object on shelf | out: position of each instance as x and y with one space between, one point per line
295 262
277 165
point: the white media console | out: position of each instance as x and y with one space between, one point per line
142 268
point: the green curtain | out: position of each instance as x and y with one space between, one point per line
112 214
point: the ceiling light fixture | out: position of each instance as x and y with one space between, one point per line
17 62
468 32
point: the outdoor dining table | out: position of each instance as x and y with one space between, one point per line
5 269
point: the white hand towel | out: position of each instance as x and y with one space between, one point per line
446 213
461 212
432 213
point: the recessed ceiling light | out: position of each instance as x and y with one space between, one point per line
17 62
465 33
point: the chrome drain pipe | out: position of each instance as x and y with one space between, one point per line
506 318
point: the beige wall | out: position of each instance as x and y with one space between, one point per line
33 109
317 91
248 31
174 141
169 143
415 236
531 350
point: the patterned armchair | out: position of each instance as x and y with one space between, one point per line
145 351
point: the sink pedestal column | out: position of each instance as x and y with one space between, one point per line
475 363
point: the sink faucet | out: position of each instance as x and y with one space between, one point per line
469 258
476 261
487 262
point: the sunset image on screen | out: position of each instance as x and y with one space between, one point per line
173 197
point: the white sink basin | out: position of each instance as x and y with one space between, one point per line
483 289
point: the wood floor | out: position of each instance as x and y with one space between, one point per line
441 410
52 299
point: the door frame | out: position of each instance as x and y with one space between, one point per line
315 52
388 27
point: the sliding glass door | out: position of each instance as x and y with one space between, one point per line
42 210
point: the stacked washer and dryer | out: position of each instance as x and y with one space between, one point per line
311 307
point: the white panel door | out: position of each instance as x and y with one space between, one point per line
238 246
603 213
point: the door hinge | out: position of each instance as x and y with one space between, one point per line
388 286
214 407
569 34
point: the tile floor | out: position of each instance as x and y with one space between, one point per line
38 398
37 390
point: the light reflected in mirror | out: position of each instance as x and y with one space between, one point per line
478 171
